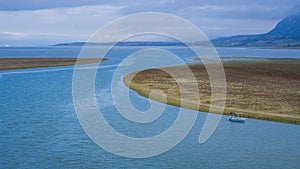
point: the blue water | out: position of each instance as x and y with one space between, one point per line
39 127
74 51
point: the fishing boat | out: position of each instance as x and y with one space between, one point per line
236 118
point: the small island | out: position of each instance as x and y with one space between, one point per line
24 63
267 89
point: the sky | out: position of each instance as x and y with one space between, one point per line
42 22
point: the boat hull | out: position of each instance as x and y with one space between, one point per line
237 120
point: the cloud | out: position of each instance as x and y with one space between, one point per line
215 27
240 11
12 34
59 24
17 5
51 21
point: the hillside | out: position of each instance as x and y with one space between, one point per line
285 34
129 43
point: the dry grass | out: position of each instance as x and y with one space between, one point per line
23 63
268 89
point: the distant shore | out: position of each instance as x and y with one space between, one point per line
24 63
265 89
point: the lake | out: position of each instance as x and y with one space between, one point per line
39 127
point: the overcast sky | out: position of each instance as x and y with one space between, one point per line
32 22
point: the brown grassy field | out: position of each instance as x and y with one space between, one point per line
268 89
23 63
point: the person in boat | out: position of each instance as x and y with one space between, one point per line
232 113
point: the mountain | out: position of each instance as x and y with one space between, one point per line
285 34
131 43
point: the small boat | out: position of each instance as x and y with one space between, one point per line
236 118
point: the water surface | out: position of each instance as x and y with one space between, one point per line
39 127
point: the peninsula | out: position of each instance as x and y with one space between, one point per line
23 63
268 89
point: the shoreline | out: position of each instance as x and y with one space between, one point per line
270 90
25 63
